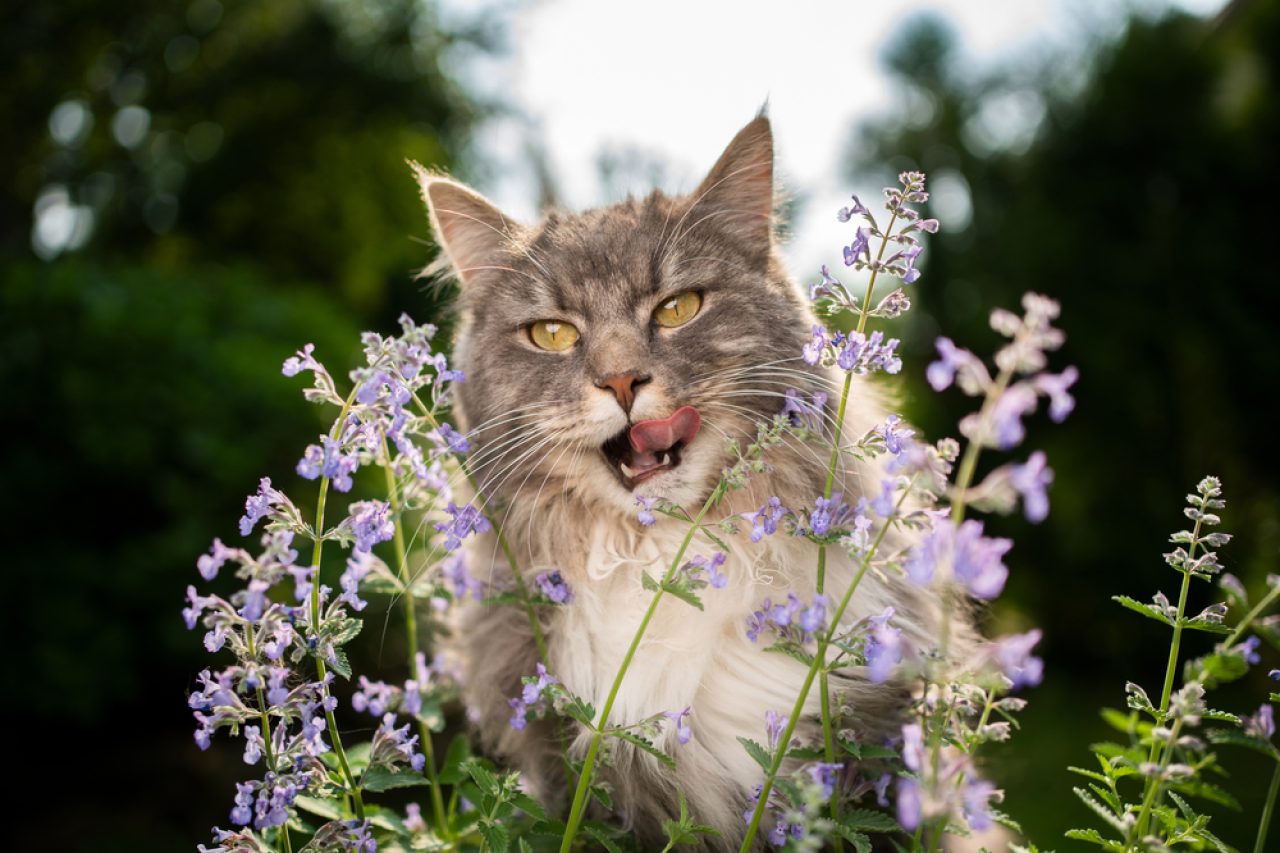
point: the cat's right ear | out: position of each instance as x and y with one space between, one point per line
471 232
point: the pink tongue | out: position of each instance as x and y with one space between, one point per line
648 437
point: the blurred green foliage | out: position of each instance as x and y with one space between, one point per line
1134 189
197 189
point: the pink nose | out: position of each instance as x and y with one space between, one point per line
623 386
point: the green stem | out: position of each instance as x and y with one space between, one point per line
284 836
797 710
321 669
411 634
593 749
1267 808
1152 785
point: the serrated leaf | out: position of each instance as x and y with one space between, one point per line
861 843
602 794
380 778
1094 837
495 835
601 834
791 650
385 818
1145 609
648 582
1091 774
1099 809
381 584
1137 699
1221 716
646 745
757 752
684 594
868 820
1206 625
523 846
1006 821
1239 738
484 779
1107 797
339 664
327 809
529 806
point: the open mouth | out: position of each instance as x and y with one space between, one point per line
647 448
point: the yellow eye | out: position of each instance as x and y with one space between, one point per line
553 335
678 310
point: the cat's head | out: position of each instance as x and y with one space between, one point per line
613 352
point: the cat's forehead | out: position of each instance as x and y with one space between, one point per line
603 257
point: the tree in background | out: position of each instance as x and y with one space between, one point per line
197 189
1132 189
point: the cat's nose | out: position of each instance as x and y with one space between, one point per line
623 386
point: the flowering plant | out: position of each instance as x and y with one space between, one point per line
282 634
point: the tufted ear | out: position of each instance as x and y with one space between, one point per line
738 190
470 230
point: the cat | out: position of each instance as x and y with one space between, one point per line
610 355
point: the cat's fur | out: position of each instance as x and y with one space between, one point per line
537 421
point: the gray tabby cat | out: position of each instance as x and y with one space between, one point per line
609 355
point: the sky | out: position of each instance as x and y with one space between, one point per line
668 82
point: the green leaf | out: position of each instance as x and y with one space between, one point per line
1082 772
1099 809
485 780
342 630
1137 699
1145 609
648 582
602 834
529 806
385 818
720 543
1207 625
327 809
686 595
758 752
523 846
380 584
1220 716
601 793
646 745
1093 837
868 820
339 664
1239 738
495 834
380 778
452 772
861 843
1006 821
790 649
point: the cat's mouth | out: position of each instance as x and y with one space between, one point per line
647 448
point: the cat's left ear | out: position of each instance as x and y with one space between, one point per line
471 231
738 191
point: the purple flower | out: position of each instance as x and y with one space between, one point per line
826 287
895 437
683 732
824 774
764 522
1031 480
253 744
645 516
454 569
800 412
708 570
553 586
1262 724
909 804
450 438
860 246
1249 649
258 505
847 213
884 647
953 360
975 560
1007 413
300 361
812 351
814 617
255 600
976 799
773 724
820 518
1013 656
518 712
464 520
328 460
371 523
1055 388
861 355
909 273
358 565
928 225
242 813
208 564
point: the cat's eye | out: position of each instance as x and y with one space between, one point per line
553 335
679 309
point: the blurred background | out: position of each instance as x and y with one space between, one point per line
197 189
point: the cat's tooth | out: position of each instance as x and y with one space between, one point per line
666 459
626 469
